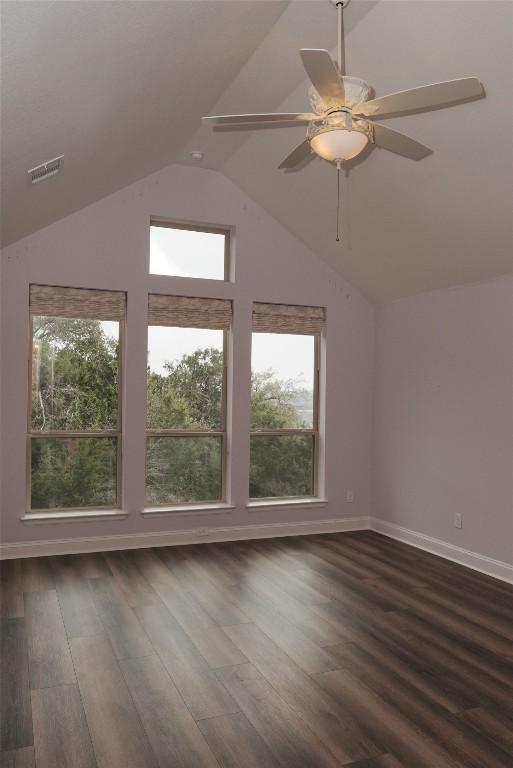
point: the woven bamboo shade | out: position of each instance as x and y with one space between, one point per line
189 312
55 301
287 318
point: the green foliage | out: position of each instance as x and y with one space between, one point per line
180 469
76 372
281 465
73 472
272 403
74 388
189 395
75 375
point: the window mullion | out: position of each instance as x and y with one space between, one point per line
284 432
75 433
185 433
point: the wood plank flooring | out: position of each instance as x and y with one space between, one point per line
308 652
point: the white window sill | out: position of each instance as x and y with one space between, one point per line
255 506
188 509
32 518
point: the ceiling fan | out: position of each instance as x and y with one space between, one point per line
342 122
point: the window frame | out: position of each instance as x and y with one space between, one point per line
313 431
114 433
156 221
184 433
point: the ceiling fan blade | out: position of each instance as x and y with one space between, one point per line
325 77
399 143
424 97
273 117
298 155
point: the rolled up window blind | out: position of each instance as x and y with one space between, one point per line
287 318
55 301
189 312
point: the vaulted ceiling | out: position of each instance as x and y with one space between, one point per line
119 88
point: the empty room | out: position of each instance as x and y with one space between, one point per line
256 392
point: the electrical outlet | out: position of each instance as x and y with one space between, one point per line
202 532
349 496
458 520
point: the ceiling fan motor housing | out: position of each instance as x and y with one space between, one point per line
356 90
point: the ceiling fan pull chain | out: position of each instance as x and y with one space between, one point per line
338 201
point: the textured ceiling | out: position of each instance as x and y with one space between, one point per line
120 87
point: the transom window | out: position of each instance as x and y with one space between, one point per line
185 251
186 400
74 429
284 401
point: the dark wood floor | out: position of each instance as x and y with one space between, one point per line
311 652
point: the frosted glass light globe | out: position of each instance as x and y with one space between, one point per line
339 144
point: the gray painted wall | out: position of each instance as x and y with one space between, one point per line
106 245
443 437
436 387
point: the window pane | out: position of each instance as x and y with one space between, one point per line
74 374
186 253
282 381
73 472
181 469
185 378
281 465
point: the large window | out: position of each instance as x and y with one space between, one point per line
74 430
186 401
284 401
183 251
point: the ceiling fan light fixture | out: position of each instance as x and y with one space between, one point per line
339 136
338 144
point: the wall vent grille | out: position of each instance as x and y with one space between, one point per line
45 170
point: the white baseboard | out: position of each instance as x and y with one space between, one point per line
166 539
477 562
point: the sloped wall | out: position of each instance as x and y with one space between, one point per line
107 246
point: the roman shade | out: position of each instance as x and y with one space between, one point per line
189 312
287 318
55 301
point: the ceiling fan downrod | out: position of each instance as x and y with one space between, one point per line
340 5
